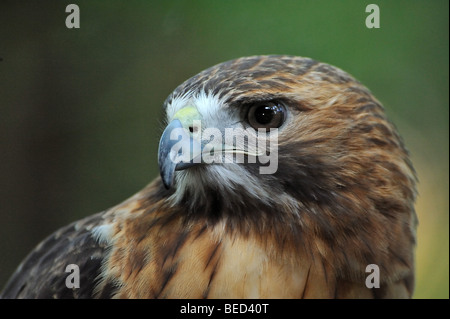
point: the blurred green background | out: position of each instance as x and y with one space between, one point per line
80 109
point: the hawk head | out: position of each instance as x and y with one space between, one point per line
297 149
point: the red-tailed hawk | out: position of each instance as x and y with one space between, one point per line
291 183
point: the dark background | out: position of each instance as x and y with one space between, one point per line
80 109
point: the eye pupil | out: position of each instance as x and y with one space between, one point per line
264 114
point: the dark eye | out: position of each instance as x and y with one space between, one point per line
266 115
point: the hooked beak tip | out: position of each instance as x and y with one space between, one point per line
172 154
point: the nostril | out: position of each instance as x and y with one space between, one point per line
193 129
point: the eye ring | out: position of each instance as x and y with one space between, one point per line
267 114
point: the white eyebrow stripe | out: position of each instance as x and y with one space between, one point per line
177 104
207 104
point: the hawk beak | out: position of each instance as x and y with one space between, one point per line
178 149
